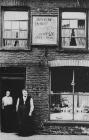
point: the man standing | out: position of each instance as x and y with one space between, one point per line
24 108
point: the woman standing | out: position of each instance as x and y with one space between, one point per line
7 111
24 108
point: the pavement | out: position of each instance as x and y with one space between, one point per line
13 136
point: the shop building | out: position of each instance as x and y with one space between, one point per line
44 47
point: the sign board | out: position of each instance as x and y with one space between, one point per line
44 30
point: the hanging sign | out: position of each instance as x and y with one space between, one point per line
44 30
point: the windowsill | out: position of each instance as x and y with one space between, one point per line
73 50
74 47
65 122
6 48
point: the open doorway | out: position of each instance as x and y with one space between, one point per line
12 79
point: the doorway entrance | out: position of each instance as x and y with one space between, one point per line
13 79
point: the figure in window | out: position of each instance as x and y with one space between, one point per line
16 41
72 41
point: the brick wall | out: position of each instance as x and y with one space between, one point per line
37 82
40 3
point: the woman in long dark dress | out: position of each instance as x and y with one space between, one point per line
7 112
73 41
24 108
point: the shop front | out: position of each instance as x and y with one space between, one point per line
69 98
69 95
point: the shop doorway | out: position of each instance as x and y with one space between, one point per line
12 79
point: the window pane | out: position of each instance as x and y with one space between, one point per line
82 80
15 43
65 42
7 25
69 23
7 34
74 15
81 42
23 43
66 32
15 25
61 80
65 24
77 33
81 107
76 43
61 107
23 25
24 34
8 43
80 33
15 33
15 15
81 24
73 23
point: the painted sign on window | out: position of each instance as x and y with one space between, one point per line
44 30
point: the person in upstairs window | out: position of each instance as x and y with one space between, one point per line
73 41
7 111
24 108
16 41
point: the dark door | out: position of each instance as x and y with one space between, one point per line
14 82
14 85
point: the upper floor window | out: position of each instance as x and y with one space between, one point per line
73 30
15 29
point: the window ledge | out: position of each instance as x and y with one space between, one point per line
73 50
65 122
15 49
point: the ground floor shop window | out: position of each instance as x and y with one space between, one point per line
69 96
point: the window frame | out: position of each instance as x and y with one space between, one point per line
60 34
16 9
73 94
